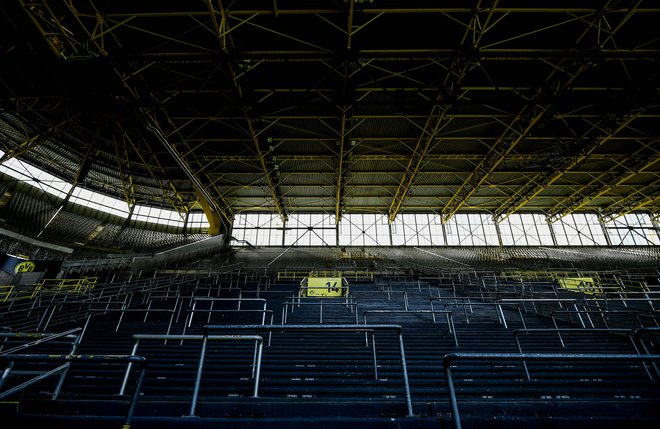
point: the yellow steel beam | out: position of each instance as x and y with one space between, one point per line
226 44
175 202
121 152
391 157
512 135
339 196
211 206
638 162
431 128
344 117
436 118
633 202
376 10
538 185
36 140
544 180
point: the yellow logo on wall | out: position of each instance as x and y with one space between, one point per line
24 267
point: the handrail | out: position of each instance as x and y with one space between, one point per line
333 328
202 310
534 301
448 358
558 331
238 301
448 315
6 293
256 361
497 305
287 303
108 291
42 338
637 335
139 360
135 310
601 312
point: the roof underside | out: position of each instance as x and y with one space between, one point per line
336 106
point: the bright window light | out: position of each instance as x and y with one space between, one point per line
197 220
633 229
35 177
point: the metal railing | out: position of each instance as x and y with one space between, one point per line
239 300
334 328
6 291
320 303
453 357
498 309
601 313
256 361
146 312
448 316
138 360
629 333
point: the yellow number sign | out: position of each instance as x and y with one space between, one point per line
580 284
324 286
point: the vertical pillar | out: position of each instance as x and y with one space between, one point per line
499 234
552 231
608 240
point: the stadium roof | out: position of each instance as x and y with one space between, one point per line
337 106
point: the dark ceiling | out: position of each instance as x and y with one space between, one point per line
333 106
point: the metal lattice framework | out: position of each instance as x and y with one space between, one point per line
340 106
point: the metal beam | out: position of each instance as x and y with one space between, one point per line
556 170
523 123
87 39
344 166
561 78
638 162
391 157
121 153
374 11
544 180
225 41
212 210
436 118
633 202
271 178
175 200
345 106
432 126
34 141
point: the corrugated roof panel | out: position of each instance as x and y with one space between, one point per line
321 178
387 127
308 191
375 178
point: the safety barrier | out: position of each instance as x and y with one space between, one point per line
82 285
629 333
498 309
297 303
350 274
139 360
6 291
331 328
453 357
448 316
256 362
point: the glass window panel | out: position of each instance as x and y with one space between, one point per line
632 229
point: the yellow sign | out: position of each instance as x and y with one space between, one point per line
24 267
581 284
324 286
